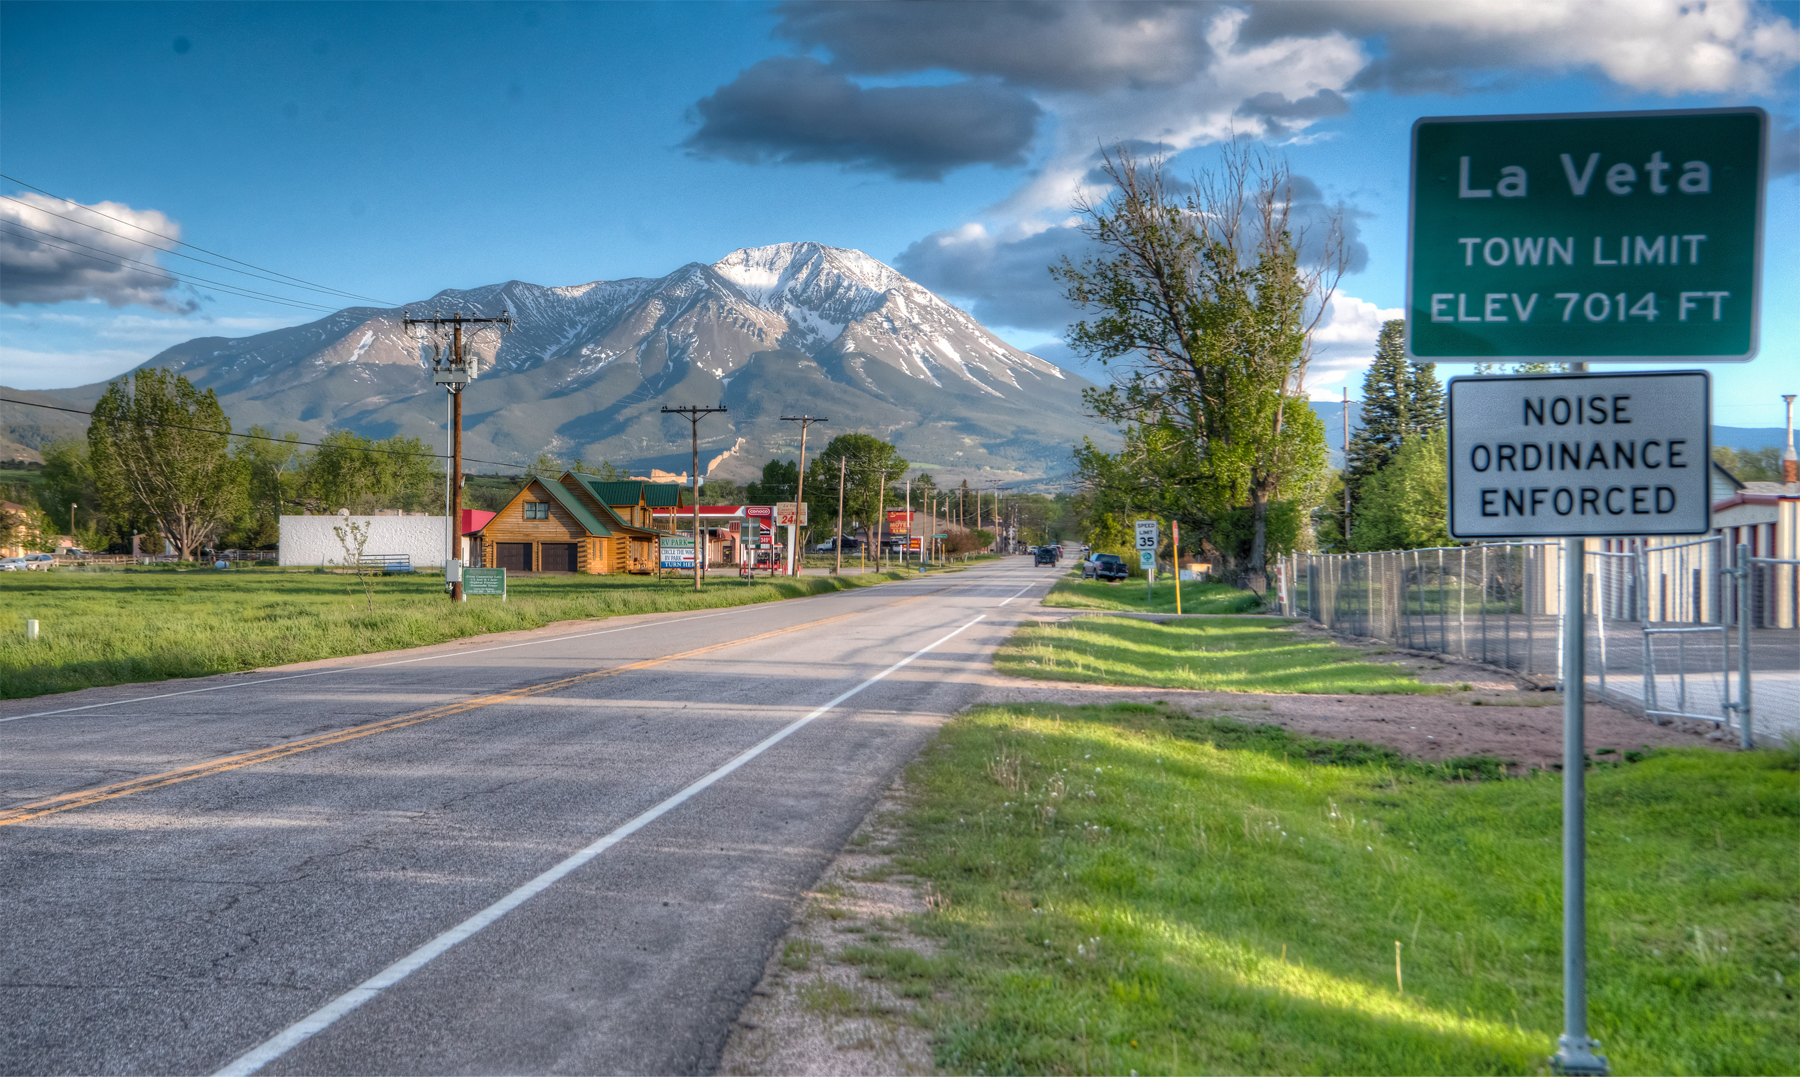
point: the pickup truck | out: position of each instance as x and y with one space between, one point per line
1104 566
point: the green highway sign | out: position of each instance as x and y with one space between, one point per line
1587 237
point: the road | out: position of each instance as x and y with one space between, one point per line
570 852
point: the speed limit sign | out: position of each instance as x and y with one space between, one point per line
1146 534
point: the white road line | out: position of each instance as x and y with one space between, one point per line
1021 591
327 1015
397 662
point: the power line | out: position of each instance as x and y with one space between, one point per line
120 261
278 441
154 247
185 243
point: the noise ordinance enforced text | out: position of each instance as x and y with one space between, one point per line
1587 237
1556 455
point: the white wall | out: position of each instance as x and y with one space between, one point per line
308 540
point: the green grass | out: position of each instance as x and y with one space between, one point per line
1128 596
1132 889
116 627
1238 654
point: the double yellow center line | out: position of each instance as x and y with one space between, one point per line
37 809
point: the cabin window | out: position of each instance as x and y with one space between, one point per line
537 510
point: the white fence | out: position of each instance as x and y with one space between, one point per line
310 540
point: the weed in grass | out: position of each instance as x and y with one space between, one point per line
830 1000
1060 953
140 624
798 954
1227 654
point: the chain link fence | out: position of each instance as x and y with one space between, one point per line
1676 629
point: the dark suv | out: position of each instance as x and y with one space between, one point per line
1104 566
1046 555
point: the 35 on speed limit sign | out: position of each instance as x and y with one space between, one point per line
1146 534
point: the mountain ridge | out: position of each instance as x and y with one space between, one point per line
764 330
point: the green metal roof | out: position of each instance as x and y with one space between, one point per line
567 499
656 495
611 493
662 495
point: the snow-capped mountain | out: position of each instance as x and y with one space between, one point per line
766 330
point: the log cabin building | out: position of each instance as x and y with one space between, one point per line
577 524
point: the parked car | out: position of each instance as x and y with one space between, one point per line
40 561
1104 566
13 564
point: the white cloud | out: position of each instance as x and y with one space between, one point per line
1345 344
1658 46
47 257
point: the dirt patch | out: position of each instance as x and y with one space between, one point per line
815 1013
1498 714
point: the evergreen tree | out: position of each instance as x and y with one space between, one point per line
1401 401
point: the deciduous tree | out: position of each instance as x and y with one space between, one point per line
160 448
1204 300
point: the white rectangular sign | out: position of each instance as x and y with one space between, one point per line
1580 455
1146 534
1146 559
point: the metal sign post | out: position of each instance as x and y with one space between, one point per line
1579 456
1147 538
1581 238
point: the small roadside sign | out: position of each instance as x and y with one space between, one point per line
1146 558
484 581
1609 237
1580 455
677 551
1146 534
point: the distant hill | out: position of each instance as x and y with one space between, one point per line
769 331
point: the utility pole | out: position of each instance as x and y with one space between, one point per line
837 544
693 414
799 488
455 376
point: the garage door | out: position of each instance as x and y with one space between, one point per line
513 556
559 557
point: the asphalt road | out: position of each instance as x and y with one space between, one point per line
565 852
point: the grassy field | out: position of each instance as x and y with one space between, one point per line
1132 889
1078 594
1237 654
114 627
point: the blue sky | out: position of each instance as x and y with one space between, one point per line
393 150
